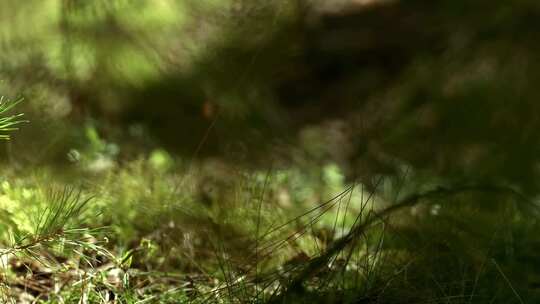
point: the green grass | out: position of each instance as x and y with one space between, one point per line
141 233
158 229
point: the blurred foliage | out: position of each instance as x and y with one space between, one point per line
216 136
446 88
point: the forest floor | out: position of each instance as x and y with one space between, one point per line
152 232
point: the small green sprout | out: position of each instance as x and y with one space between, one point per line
9 123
